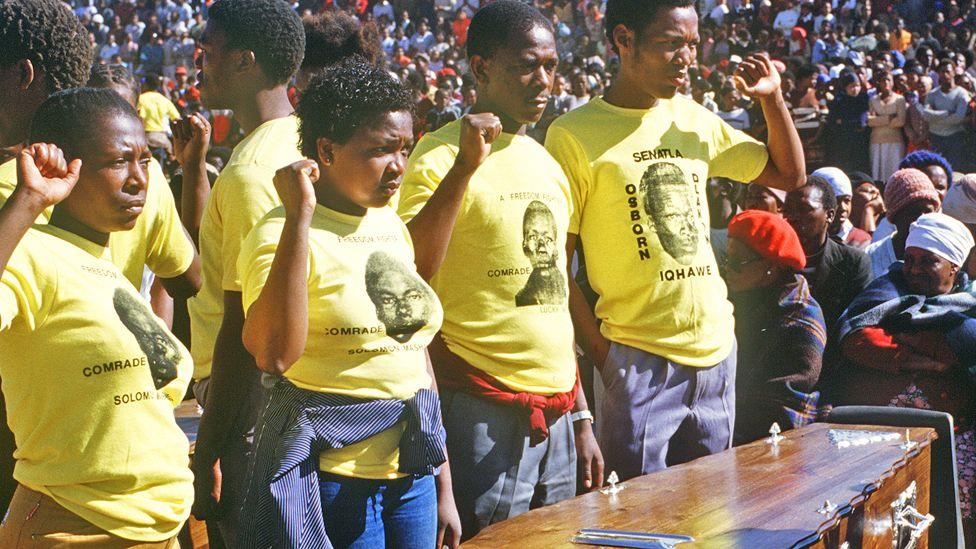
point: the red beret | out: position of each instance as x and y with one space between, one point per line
770 236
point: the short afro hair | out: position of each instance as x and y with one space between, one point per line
636 14
923 158
48 34
344 98
828 198
269 28
501 23
69 117
112 76
333 36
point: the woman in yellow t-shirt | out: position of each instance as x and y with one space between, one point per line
334 304
90 375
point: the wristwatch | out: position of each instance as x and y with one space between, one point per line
582 414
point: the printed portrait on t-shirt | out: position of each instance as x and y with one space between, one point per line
669 202
402 301
545 285
162 352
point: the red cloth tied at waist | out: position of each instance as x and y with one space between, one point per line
454 373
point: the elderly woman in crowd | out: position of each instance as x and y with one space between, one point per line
908 194
910 336
779 326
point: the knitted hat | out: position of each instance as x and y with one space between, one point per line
906 186
770 236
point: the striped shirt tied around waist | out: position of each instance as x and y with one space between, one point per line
282 506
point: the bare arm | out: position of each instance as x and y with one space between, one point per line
234 387
186 285
276 327
191 141
786 169
433 226
43 180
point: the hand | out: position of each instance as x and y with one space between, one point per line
191 140
478 131
589 459
448 520
756 77
294 184
44 176
206 486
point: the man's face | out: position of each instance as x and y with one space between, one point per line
517 79
215 65
401 304
760 198
805 212
539 241
843 213
947 77
658 58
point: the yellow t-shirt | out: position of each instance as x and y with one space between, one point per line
503 282
370 318
91 378
638 185
243 193
156 111
157 240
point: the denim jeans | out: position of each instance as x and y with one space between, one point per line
372 514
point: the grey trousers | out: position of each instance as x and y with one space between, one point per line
495 473
657 413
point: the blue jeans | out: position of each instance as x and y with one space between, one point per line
372 514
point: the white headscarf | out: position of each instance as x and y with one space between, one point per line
960 200
942 235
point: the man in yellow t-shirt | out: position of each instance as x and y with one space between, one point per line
638 160
156 112
250 51
490 241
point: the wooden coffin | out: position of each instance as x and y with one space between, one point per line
754 496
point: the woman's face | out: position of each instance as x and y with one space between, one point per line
853 89
744 269
928 274
366 170
760 198
111 188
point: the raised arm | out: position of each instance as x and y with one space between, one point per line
433 226
786 168
191 141
44 178
276 326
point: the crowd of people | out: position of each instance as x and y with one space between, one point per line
395 252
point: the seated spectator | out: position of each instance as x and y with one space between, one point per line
835 272
443 111
730 110
908 195
759 197
779 326
886 117
841 228
911 336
